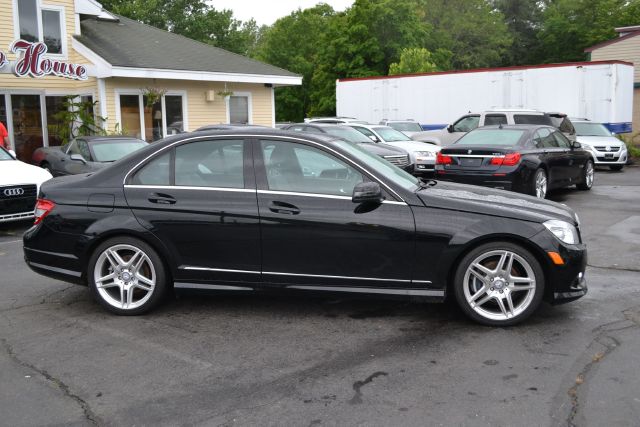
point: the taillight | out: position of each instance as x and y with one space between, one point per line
510 159
441 159
43 208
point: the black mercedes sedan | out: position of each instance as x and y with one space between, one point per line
528 159
266 210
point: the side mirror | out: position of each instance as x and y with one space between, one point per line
450 129
576 145
78 158
374 138
367 192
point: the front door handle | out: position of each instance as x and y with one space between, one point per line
284 208
162 199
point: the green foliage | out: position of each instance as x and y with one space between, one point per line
414 60
75 118
633 145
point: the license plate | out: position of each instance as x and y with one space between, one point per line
608 155
470 161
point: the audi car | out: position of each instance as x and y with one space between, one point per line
253 210
528 159
19 186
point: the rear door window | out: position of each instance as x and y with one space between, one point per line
156 172
495 119
562 140
531 119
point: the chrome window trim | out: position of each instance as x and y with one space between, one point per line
410 292
186 187
199 138
222 270
183 285
294 193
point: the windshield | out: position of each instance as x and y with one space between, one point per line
502 137
112 150
591 129
348 134
381 167
391 135
406 126
4 155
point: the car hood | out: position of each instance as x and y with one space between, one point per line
16 172
600 140
413 146
483 200
382 149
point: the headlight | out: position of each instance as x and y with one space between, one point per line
585 146
564 231
425 154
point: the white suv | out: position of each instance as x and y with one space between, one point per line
604 147
469 122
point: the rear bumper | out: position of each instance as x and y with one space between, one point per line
508 181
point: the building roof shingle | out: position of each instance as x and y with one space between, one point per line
128 43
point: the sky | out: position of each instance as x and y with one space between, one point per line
266 12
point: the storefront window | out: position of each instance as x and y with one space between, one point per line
27 125
152 121
130 115
28 13
239 109
175 119
51 31
56 127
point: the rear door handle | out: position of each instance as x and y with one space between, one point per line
284 208
162 199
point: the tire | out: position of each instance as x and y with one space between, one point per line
126 289
539 184
616 168
483 288
588 176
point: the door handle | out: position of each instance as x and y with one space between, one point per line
284 208
162 199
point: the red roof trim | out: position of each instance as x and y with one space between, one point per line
485 70
612 41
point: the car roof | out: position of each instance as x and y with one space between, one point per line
255 131
513 110
321 125
514 127
94 138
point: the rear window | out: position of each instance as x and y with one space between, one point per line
532 119
502 137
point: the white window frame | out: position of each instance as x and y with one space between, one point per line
139 93
248 95
41 7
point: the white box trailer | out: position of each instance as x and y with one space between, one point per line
600 91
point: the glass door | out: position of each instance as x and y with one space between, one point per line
27 125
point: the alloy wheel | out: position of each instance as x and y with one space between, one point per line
499 285
541 184
589 174
125 276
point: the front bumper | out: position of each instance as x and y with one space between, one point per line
602 158
16 216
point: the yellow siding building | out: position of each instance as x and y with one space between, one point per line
121 62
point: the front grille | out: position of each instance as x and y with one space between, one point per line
400 160
609 159
604 149
17 199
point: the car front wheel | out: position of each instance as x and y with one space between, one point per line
588 175
499 284
540 184
126 276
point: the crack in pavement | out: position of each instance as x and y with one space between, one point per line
88 413
604 337
357 386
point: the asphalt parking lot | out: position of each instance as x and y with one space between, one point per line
237 360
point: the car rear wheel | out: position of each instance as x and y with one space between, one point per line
126 276
616 167
499 284
588 175
540 184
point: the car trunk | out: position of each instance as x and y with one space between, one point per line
473 158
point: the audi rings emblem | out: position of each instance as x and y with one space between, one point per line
12 192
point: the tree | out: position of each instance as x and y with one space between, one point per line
523 19
415 60
570 26
473 30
